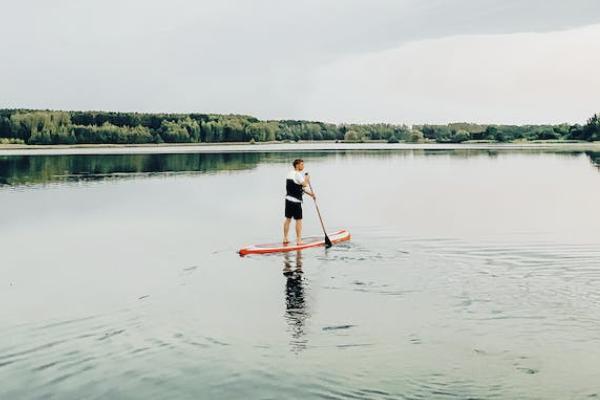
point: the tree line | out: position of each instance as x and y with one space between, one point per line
97 127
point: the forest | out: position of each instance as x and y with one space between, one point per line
48 127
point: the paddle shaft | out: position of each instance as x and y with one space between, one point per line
327 240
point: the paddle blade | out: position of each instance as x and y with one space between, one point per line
328 243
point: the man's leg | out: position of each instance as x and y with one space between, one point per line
286 230
299 231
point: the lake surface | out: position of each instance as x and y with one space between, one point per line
471 273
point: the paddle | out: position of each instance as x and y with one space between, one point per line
328 243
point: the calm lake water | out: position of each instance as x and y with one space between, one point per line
470 274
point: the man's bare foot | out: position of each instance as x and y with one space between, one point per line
299 242
286 242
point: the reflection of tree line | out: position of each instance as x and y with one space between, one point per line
594 157
18 170
40 169
23 170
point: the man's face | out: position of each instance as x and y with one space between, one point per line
300 167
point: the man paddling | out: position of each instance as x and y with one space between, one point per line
295 186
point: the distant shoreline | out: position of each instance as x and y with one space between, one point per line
48 127
171 148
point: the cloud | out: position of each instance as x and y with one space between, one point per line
256 57
516 78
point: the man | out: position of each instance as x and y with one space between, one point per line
295 186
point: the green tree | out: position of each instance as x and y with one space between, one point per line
415 136
591 130
575 132
546 133
172 132
460 136
192 127
352 136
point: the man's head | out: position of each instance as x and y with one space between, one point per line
298 164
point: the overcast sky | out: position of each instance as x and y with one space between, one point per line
401 61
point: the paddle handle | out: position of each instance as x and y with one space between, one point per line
317 206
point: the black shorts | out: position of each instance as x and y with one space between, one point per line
293 210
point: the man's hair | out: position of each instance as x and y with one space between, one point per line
297 161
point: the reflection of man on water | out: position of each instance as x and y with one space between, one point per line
294 299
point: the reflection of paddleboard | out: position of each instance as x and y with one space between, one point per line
311 241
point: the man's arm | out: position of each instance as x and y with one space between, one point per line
306 185
305 181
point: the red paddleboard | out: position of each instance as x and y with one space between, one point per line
311 241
